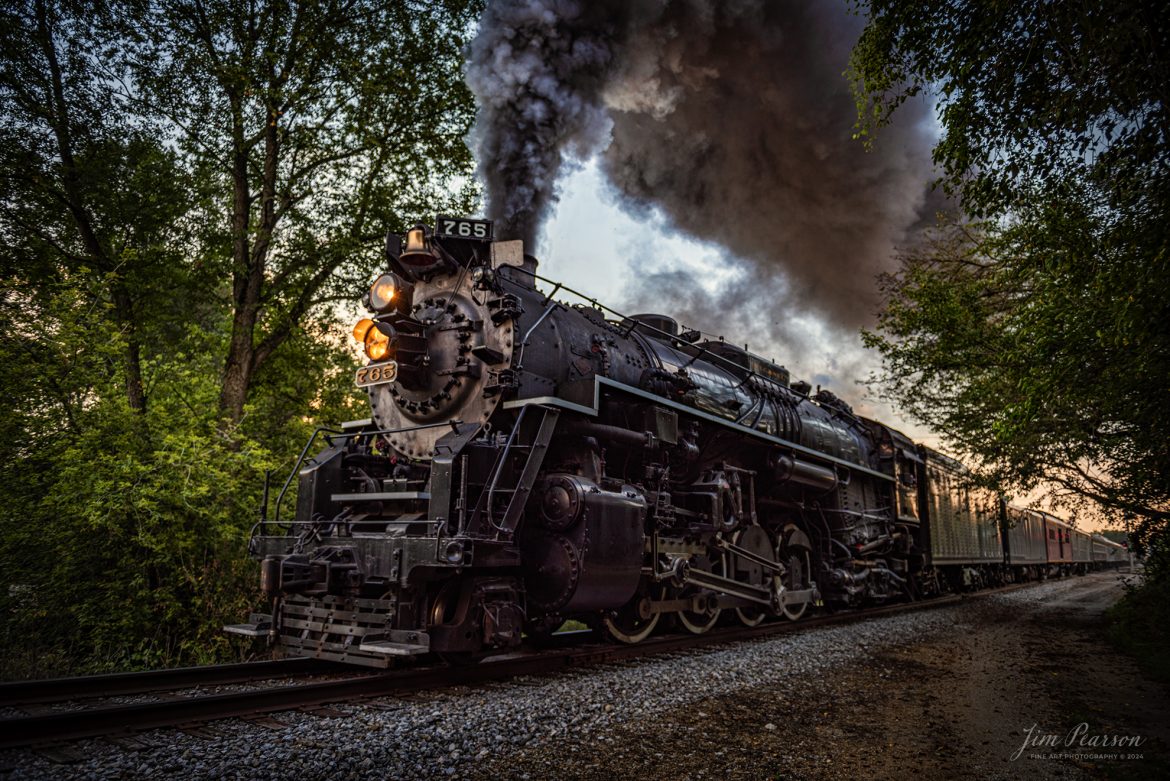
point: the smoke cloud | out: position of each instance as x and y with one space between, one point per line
537 68
730 120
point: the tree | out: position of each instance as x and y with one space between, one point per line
1033 338
1012 343
186 189
1027 93
322 124
71 209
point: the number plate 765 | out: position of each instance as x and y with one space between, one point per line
376 374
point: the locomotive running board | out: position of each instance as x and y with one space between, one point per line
586 398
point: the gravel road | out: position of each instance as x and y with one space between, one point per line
949 692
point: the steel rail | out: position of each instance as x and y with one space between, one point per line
115 684
52 728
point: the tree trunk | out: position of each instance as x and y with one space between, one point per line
237 374
249 262
132 360
247 277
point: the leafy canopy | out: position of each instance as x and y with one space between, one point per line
1032 335
1028 94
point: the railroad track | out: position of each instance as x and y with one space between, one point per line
53 728
118 684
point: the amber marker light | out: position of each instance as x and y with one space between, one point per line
376 343
362 328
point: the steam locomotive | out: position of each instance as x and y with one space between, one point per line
530 461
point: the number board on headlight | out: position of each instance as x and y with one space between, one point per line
463 228
376 374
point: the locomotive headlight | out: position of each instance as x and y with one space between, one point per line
383 293
390 293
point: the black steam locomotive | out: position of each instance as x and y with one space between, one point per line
530 461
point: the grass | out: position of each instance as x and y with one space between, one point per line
1139 625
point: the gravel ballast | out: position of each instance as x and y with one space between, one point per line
453 734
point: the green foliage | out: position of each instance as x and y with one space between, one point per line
134 138
124 536
1034 338
1028 93
1140 622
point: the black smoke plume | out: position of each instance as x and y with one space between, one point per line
733 120
537 68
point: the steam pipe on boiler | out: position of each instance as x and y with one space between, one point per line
788 468
617 434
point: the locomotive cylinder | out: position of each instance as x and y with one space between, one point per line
585 551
